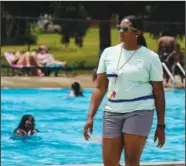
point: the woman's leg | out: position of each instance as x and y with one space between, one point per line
27 59
34 61
136 129
112 138
64 63
22 60
112 149
133 146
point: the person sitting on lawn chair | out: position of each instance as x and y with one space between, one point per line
46 59
19 58
24 59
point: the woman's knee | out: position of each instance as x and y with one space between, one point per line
110 162
132 159
33 55
26 54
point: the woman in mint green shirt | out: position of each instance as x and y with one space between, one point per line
133 76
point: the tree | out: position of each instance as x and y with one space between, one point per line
106 9
17 29
3 28
166 13
103 14
73 21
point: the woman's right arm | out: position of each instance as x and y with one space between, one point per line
98 94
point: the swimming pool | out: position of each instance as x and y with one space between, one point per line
61 120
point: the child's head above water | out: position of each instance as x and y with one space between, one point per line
76 87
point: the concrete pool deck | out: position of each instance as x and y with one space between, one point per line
45 82
178 163
59 82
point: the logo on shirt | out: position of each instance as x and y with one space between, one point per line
139 63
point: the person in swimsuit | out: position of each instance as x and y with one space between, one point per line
26 59
19 58
46 59
26 126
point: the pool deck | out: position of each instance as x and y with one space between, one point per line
178 163
58 82
45 82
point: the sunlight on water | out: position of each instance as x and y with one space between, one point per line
61 120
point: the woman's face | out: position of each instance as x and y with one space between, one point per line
29 124
43 51
129 34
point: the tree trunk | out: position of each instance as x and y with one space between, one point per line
3 31
104 28
104 36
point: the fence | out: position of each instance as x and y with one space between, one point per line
77 41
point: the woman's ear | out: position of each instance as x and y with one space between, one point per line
138 33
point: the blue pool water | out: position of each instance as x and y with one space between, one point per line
61 120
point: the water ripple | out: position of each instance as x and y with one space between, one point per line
61 119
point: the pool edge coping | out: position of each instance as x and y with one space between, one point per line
175 163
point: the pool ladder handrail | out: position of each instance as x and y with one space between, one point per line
168 72
179 66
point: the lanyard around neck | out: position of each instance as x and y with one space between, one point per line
113 93
126 60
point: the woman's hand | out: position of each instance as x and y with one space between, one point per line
160 135
88 127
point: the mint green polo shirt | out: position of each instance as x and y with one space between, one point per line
134 77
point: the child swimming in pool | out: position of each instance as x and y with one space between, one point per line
26 126
76 90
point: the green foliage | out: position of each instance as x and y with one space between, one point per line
80 64
71 28
17 32
74 55
166 13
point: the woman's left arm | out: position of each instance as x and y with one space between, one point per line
158 92
156 79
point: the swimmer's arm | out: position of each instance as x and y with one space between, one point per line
158 92
71 94
19 132
98 94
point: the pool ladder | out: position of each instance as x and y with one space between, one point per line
179 66
169 73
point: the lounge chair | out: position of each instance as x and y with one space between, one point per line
56 68
16 69
47 70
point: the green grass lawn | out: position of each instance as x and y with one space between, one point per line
89 52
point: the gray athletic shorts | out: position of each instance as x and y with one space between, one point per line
136 122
